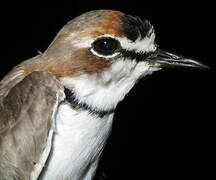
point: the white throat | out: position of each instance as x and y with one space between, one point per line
106 90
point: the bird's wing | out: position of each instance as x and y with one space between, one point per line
27 122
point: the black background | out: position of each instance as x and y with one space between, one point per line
165 126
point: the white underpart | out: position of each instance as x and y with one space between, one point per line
104 92
78 142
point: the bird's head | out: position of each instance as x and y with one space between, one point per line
101 54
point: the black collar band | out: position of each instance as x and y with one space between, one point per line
75 104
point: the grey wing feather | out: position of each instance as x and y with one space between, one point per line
26 125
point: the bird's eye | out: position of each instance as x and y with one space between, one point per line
106 46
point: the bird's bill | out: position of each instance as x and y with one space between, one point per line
166 59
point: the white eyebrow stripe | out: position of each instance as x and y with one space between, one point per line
145 45
83 42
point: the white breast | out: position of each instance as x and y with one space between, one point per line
78 142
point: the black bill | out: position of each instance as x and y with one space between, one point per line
165 59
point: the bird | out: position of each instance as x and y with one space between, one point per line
57 108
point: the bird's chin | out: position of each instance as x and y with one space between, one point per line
154 68
145 68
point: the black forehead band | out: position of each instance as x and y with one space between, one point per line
133 27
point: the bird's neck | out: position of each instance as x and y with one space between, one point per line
94 95
103 91
75 104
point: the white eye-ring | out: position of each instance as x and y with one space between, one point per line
105 46
107 56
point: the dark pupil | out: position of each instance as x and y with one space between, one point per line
106 46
